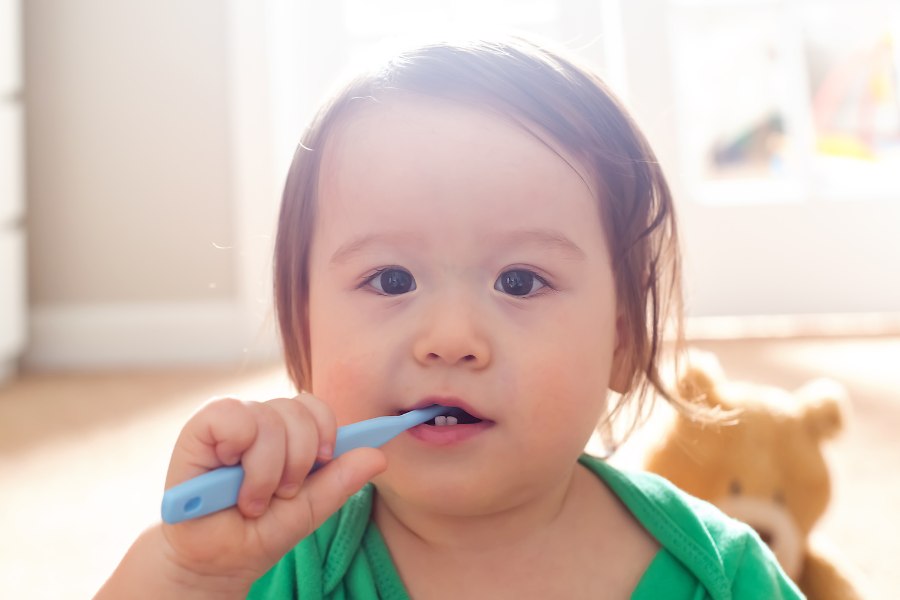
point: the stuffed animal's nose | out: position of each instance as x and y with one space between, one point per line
765 535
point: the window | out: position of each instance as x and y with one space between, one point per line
776 122
787 100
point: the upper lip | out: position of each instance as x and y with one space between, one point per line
449 402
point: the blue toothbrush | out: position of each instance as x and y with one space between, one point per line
218 489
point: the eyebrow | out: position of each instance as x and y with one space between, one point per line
545 238
361 243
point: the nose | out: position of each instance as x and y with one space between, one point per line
453 335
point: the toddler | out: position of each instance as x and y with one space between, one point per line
483 227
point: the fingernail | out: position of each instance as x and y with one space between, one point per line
257 507
325 451
289 490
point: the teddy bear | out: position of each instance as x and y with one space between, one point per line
758 456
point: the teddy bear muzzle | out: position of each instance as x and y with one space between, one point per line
775 526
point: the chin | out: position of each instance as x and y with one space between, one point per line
457 490
452 491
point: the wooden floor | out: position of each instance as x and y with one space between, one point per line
83 457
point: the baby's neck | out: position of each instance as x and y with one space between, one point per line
574 540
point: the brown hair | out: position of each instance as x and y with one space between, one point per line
554 98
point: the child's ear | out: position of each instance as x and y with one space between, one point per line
622 373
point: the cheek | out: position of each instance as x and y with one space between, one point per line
343 385
567 374
565 386
341 371
575 352
337 367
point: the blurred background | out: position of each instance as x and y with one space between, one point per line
143 146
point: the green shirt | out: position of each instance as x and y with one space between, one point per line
703 553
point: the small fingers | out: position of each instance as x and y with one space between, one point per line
263 461
216 435
325 423
302 441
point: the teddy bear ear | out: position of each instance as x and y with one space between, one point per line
699 373
825 407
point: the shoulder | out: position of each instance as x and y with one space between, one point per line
725 555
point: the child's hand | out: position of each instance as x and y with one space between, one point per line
277 443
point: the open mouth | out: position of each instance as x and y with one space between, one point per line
452 415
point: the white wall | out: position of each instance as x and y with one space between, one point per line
133 186
12 238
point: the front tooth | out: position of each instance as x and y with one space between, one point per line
452 420
440 421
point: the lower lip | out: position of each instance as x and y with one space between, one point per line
443 435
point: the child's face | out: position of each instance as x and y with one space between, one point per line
457 257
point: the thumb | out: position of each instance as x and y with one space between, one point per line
329 487
324 492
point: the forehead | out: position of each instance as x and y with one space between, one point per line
422 126
421 161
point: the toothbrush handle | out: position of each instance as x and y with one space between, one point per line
203 495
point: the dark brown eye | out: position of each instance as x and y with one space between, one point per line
518 282
734 488
393 281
